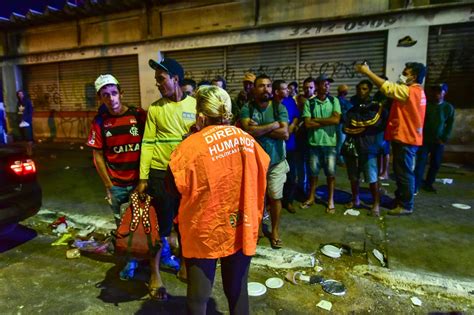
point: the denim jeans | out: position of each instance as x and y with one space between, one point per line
435 150
403 167
291 179
166 205
120 195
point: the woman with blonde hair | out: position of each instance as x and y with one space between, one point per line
220 174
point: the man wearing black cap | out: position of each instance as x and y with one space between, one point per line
321 116
437 128
168 120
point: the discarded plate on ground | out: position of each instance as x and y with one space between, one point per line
379 256
256 289
416 301
274 283
352 212
331 251
325 305
333 287
461 206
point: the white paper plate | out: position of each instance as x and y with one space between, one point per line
331 251
461 206
256 289
274 283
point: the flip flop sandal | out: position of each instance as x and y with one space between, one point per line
330 210
158 294
306 205
350 205
276 244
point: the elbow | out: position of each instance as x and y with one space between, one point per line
286 136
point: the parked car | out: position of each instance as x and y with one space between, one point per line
20 192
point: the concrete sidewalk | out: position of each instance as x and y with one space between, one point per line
436 242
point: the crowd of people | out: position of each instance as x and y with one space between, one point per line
213 165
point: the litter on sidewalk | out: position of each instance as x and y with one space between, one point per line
379 256
461 206
73 253
256 289
416 301
352 212
325 305
445 181
63 240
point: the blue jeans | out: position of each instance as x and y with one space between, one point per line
120 195
435 150
403 167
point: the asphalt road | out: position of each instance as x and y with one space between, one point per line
429 254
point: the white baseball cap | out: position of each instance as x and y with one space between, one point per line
103 80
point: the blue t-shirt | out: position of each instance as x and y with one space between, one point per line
293 113
275 148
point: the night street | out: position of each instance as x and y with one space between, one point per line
429 254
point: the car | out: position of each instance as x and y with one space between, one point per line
20 192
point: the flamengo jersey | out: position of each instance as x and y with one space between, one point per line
120 138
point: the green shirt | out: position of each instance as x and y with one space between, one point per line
275 148
439 119
166 123
323 136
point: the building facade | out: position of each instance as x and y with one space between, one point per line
56 57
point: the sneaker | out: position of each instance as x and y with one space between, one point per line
128 272
399 211
170 262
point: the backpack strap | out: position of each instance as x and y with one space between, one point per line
312 105
276 113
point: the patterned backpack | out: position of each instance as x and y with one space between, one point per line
138 234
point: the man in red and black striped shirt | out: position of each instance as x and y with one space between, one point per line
116 136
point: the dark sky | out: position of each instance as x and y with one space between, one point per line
22 6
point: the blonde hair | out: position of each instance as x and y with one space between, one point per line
215 103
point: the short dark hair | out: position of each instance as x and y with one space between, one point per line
276 84
261 77
187 81
418 69
294 83
219 78
365 81
308 80
203 82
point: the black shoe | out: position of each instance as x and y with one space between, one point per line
429 188
399 211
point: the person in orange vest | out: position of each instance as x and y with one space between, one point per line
220 174
404 127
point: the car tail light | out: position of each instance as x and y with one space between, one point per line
25 167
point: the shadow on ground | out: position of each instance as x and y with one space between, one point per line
14 235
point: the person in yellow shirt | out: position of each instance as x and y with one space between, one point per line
168 121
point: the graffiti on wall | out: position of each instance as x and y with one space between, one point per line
46 96
333 69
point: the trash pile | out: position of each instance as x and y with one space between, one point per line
298 276
79 240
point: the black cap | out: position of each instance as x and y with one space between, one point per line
322 78
440 86
171 66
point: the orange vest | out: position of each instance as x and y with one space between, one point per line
220 173
405 122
